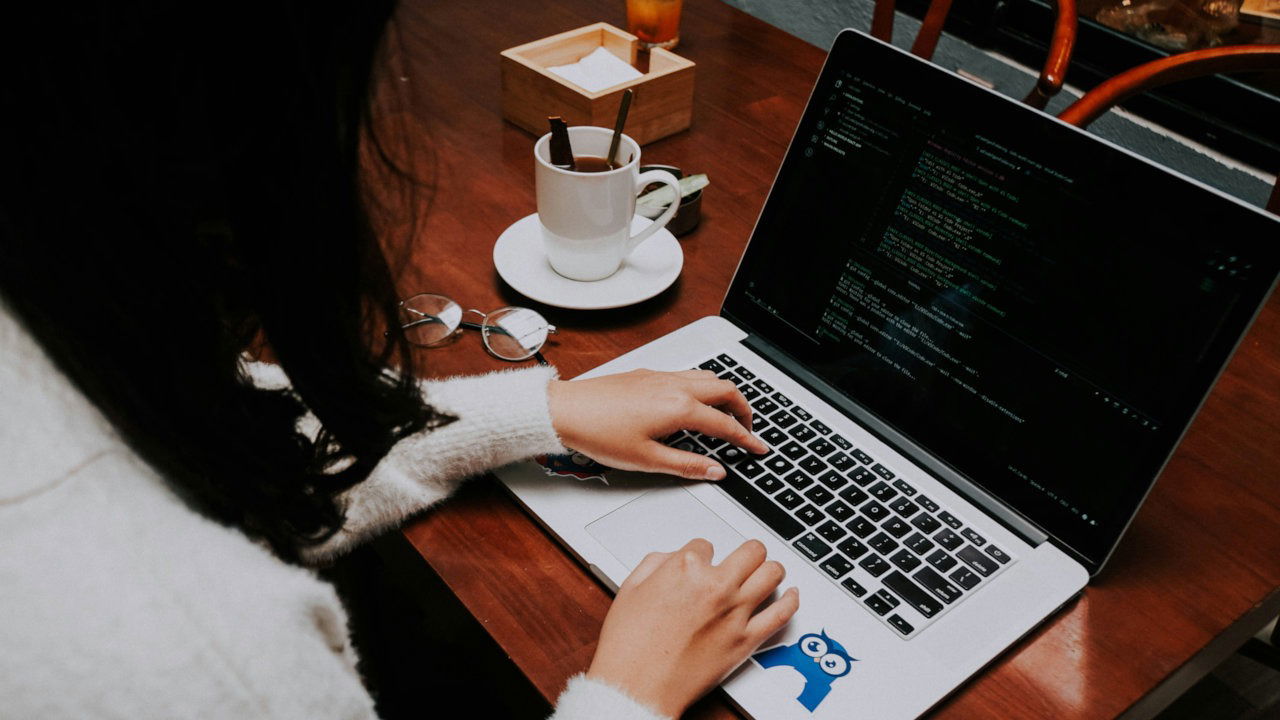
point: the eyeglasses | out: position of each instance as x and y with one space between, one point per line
509 333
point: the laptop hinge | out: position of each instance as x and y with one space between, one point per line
1006 516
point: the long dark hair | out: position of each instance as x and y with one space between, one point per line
178 182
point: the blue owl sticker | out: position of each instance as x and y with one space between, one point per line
574 465
817 657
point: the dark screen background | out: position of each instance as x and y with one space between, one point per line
1039 310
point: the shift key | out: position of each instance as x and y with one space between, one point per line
923 602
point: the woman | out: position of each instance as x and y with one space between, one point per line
181 188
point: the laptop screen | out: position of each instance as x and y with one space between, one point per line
1038 310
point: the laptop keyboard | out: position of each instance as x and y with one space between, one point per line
904 557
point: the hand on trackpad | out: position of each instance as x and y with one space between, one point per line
662 521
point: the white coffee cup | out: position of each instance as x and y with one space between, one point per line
586 217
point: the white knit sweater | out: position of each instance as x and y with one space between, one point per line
118 601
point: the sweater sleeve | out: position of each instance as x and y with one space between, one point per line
586 699
501 417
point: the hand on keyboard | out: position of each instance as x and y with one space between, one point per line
618 420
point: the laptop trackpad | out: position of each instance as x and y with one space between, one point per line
661 521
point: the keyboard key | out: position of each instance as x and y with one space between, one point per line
840 461
749 392
882 471
904 487
761 506
861 527
853 586
874 511
900 625
822 429
819 495
831 531
853 495
841 442
789 499
821 447
713 365
918 543
974 558
874 564
764 405
769 484
1000 555
778 464
905 560
726 360
852 547
758 422
839 511
882 492
862 457
862 476
836 566
803 433
950 519
798 480
782 400
926 523
973 537
761 384
938 585
726 453
813 465
812 547
749 468
904 507
773 436
801 413
810 515
896 527
924 603
965 579
948 539
927 504
835 480
877 605
726 375
793 450
889 598
746 374
783 419
883 544
941 560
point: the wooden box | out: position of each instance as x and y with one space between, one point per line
663 102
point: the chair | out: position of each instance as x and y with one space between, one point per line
1183 66
1055 66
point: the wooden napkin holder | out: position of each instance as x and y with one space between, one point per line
663 102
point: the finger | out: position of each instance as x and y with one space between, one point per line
760 585
725 395
743 561
709 421
701 548
651 562
771 619
696 374
682 463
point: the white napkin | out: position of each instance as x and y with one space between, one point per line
598 70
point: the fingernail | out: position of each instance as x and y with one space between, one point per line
715 472
761 446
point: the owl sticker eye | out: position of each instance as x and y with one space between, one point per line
833 664
813 646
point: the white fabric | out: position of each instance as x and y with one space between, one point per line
116 600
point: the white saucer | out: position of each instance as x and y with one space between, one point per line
521 261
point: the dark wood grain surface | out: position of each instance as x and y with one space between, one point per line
1197 573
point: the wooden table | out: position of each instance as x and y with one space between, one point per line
1197 574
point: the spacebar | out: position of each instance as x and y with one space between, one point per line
759 504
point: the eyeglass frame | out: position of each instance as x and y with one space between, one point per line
468 325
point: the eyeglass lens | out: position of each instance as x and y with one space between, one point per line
514 333
429 319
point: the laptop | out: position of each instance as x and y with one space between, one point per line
972 336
